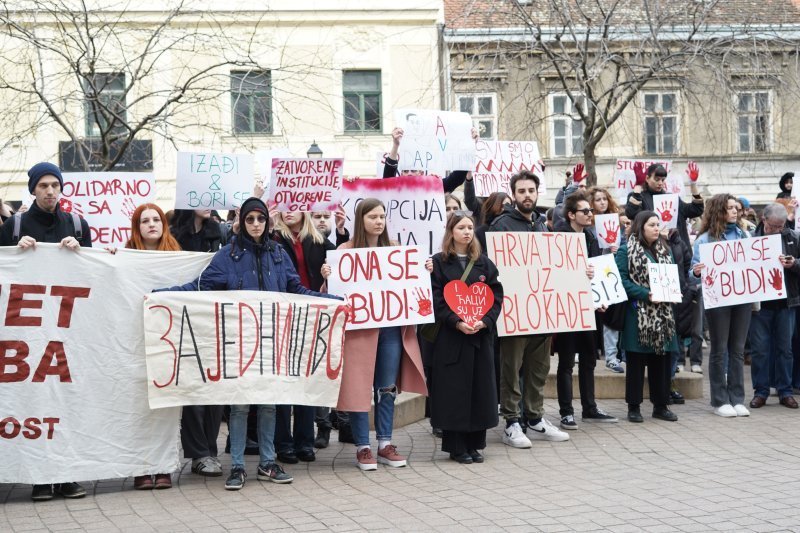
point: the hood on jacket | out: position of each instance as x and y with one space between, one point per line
782 183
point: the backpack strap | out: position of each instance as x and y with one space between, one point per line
76 223
17 228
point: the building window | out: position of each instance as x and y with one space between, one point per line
362 100
105 104
566 127
754 121
661 123
251 101
482 109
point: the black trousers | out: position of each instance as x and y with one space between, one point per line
200 429
567 345
658 377
458 442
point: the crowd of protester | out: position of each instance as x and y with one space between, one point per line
472 376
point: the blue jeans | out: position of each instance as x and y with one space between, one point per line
610 344
384 386
771 349
238 433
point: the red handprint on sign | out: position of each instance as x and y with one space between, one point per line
776 279
711 276
693 171
665 212
578 173
128 207
639 172
424 302
611 232
69 206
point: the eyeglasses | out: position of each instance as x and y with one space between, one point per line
588 211
252 220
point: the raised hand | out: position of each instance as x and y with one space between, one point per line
611 232
640 173
693 171
340 216
665 212
578 173
397 136
776 279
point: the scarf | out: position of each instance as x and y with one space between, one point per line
655 321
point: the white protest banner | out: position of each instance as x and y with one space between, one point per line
387 286
435 142
73 378
263 167
306 184
497 161
243 347
625 178
607 286
665 285
213 180
607 229
107 201
545 286
415 211
666 206
742 271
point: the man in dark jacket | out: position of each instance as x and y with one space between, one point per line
45 222
530 353
771 327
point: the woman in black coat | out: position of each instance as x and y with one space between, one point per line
464 401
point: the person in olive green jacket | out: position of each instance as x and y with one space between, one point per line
648 335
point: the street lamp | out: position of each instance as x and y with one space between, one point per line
314 151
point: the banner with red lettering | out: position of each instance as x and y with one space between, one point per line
625 178
243 347
72 369
387 286
306 184
497 161
742 271
545 287
107 201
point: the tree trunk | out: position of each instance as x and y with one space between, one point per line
590 162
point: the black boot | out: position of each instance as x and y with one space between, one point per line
634 414
323 438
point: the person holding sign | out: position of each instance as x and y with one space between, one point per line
578 219
727 325
648 336
381 359
464 401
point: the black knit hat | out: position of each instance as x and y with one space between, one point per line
39 170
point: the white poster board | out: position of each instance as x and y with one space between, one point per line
608 230
306 184
665 285
625 177
435 142
207 180
607 286
498 161
666 207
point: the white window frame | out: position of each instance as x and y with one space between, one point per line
478 118
753 114
675 113
569 117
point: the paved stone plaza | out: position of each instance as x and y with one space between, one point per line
702 473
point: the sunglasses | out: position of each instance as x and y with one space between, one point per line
588 211
252 220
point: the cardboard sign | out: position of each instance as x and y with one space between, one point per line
73 377
665 285
742 271
387 286
306 184
415 210
435 142
498 161
242 347
625 177
607 286
544 281
666 206
608 230
107 201
470 303
213 180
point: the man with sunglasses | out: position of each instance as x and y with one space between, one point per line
578 218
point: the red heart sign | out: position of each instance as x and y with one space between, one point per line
469 303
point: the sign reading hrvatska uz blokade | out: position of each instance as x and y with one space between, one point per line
545 287
73 385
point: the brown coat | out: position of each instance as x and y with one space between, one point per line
360 347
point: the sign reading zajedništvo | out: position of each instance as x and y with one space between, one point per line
742 271
607 286
387 286
435 142
498 161
213 180
243 347
306 184
546 289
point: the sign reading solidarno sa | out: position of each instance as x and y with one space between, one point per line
72 371
435 142
243 347
544 282
107 201
387 286
306 184
498 161
415 210
742 271
213 181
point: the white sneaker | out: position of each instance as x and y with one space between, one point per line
679 368
726 411
741 410
514 437
544 430
697 369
